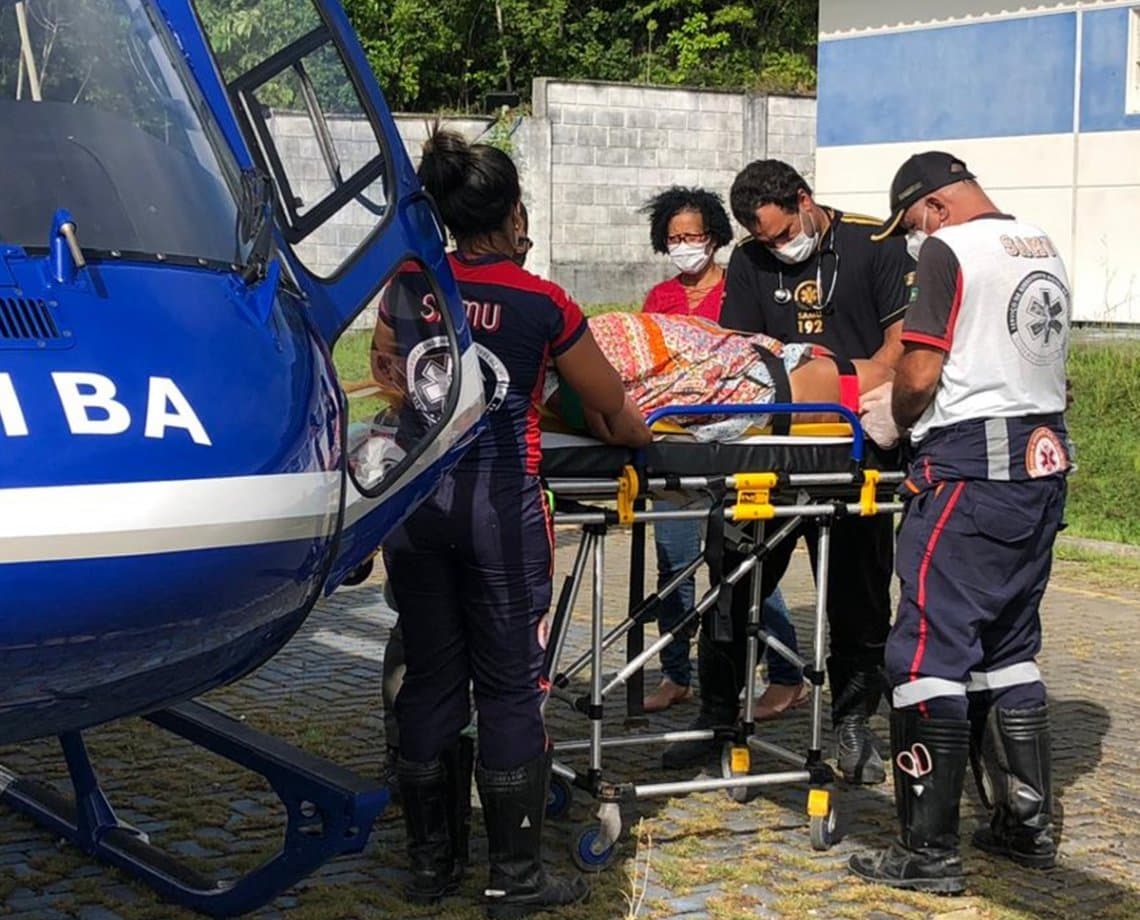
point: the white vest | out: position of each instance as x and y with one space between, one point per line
1010 339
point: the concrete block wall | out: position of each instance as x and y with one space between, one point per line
613 146
589 157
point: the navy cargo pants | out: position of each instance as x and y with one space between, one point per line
471 570
973 559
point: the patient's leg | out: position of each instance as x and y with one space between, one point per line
818 380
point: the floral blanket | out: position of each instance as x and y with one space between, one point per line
668 360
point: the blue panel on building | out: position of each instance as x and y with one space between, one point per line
1104 60
996 79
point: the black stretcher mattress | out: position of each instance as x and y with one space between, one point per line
568 456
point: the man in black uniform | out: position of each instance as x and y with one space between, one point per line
813 274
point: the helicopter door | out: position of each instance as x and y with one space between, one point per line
359 232
350 207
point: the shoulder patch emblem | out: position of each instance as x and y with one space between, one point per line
1045 455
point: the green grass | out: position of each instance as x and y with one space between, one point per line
593 309
352 367
1097 571
1104 422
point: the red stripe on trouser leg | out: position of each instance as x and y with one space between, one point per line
923 568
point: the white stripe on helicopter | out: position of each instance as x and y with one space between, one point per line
142 518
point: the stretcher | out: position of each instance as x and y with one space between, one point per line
758 489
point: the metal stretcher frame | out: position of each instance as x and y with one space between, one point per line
759 499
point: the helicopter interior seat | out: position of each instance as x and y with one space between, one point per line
127 189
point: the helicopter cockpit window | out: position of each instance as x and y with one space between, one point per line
101 116
301 103
398 375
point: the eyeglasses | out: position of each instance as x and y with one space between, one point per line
687 238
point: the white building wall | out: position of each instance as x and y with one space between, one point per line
1048 133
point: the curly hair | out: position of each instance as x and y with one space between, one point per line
663 206
765 182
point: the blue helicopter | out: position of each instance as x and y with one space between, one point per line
178 484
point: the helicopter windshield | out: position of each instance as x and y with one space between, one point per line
102 117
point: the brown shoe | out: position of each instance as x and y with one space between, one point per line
666 695
778 699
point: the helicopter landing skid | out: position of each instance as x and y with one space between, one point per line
330 812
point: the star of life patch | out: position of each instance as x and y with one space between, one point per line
429 370
1045 455
1037 318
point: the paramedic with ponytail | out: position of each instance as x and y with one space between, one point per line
981 386
471 568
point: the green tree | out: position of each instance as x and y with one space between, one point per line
447 55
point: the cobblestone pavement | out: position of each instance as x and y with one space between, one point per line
683 857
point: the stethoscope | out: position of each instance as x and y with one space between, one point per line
783 296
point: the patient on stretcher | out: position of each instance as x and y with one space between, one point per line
669 360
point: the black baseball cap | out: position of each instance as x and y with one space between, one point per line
922 174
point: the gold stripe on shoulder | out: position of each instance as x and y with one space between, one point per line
865 219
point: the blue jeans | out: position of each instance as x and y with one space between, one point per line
678 544
776 619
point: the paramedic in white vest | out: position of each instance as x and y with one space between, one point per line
981 387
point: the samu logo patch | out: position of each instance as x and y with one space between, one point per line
1038 318
1045 455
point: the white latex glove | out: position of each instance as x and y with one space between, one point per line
875 414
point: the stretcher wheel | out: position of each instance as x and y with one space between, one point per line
821 813
559 798
582 850
736 760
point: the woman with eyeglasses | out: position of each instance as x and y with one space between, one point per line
688 225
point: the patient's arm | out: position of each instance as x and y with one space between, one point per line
627 427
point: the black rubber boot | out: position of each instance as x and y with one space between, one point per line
428 792
459 762
926 856
720 689
514 805
856 689
1017 771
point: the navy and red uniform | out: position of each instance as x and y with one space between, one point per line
472 567
986 489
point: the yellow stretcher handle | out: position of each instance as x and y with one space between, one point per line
753 496
628 489
867 504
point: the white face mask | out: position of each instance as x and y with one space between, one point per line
914 241
690 258
915 238
800 247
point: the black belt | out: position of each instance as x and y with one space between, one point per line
781 423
